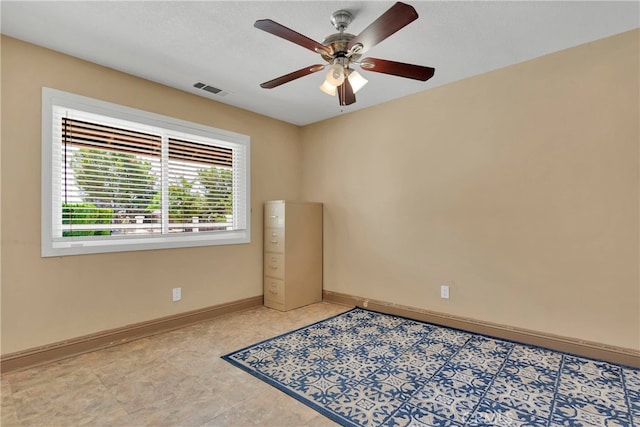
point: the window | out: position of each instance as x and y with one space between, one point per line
118 179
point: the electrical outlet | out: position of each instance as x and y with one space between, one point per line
177 294
444 291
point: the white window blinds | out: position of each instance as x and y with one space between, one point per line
122 185
200 187
110 180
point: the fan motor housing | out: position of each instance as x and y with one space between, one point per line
338 43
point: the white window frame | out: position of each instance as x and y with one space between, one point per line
56 246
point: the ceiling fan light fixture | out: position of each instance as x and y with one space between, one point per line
357 81
342 49
335 75
328 88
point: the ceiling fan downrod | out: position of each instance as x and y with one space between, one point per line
341 20
338 43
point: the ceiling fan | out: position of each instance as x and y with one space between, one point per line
341 50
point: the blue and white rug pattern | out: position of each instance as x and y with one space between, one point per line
363 368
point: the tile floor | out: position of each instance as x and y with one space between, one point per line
171 379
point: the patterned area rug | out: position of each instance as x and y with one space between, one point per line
363 368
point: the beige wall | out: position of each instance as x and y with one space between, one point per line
46 300
519 188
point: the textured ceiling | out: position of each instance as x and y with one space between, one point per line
179 43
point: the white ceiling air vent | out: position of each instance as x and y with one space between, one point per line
211 89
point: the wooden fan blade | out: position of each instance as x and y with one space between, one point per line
280 30
397 17
345 93
292 76
410 71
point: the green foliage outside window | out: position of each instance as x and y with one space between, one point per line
85 214
125 183
115 180
209 197
218 193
